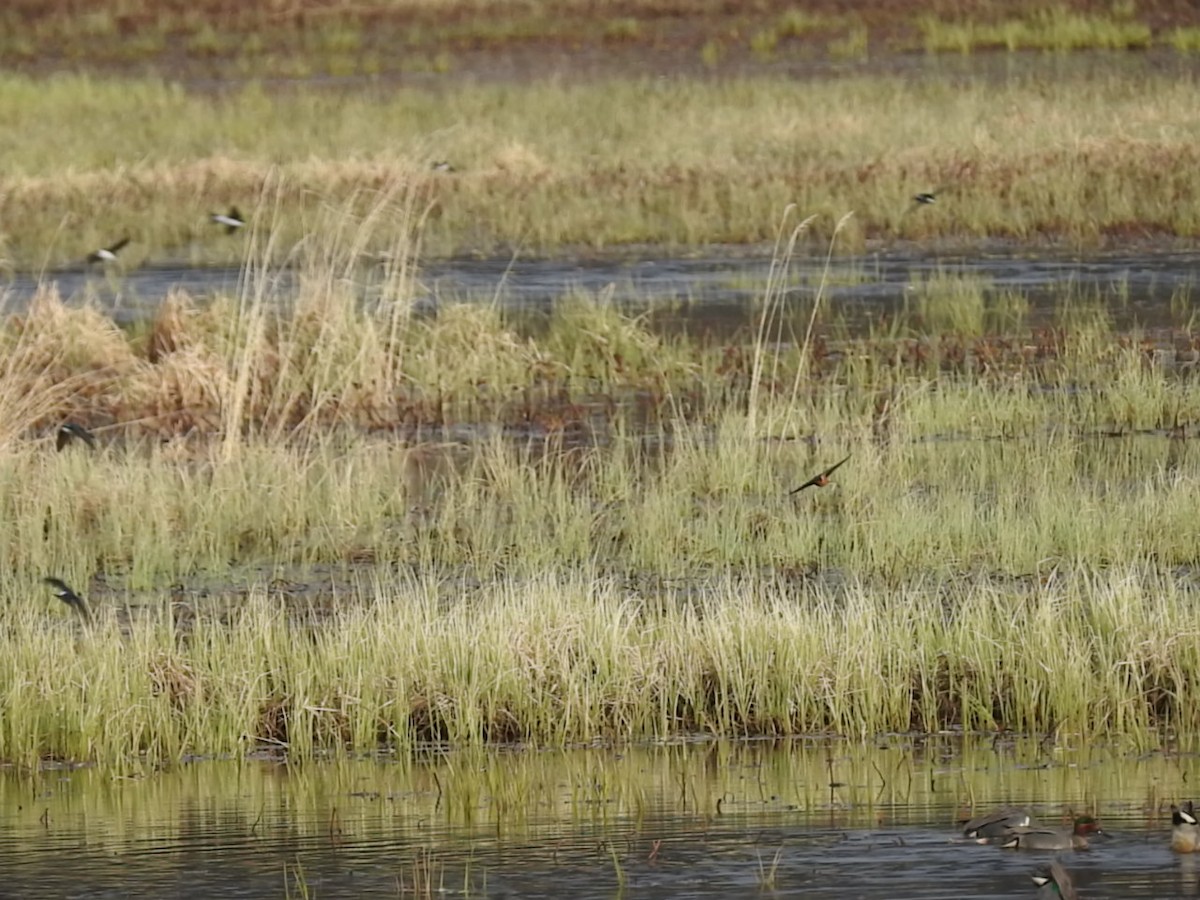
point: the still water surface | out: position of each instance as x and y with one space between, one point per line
696 819
716 292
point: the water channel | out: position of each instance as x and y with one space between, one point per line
719 292
786 818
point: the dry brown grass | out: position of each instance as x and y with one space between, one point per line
208 370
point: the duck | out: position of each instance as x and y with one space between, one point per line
108 254
1043 838
232 220
1185 833
1054 881
998 823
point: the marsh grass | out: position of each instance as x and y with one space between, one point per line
1054 28
304 41
583 535
567 658
946 302
1024 159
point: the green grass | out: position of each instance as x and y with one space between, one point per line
1021 159
1184 39
583 534
1054 28
564 658
206 41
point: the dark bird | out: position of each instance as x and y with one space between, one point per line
108 254
819 480
69 597
70 431
927 198
1044 838
232 220
997 823
442 166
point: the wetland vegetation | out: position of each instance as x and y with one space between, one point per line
1080 158
577 528
309 39
581 530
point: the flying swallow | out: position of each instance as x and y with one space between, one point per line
927 198
70 431
442 166
69 597
108 254
819 480
232 220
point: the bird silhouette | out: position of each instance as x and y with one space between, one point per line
819 480
232 220
928 198
108 254
64 593
71 431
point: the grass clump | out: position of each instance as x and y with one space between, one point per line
1183 39
1056 28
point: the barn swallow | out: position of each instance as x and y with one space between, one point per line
442 166
232 220
70 431
69 597
819 480
108 254
927 198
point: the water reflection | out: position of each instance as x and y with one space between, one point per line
803 818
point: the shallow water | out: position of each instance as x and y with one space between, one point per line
695 819
716 293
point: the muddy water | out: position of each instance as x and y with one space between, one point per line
698 819
717 292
